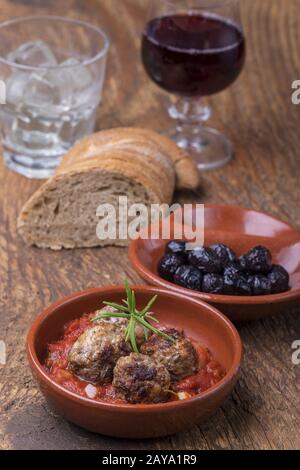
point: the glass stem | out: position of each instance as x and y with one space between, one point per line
189 113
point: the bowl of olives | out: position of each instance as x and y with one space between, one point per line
249 265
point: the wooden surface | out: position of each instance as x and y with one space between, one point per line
257 114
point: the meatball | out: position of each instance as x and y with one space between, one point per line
95 353
179 357
140 379
120 324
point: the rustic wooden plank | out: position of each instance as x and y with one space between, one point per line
257 114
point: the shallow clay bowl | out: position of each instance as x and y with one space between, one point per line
199 321
241 229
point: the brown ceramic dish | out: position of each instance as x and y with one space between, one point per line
241 229
199 321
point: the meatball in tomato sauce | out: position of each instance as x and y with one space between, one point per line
120 324
140 379
179 356
95 353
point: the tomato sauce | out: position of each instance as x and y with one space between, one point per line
56 365
209 374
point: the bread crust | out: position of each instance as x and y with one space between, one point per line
146 143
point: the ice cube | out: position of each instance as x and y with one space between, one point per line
86 97
77 79
64 86
48 95
33 53
78 125
15 87
40 92
79 74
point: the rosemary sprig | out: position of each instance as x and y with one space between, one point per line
129 311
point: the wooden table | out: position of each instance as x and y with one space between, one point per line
257 114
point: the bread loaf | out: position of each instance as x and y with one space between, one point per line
146 143
136 163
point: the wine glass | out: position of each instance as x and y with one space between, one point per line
193 49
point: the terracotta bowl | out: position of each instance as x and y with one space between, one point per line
241 229
199 321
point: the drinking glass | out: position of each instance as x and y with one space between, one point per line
52 70
193 49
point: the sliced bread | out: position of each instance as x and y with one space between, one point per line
98 170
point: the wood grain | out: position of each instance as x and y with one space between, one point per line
257 114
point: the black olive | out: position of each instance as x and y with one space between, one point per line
235 282
224 253
279 278
260 285
188 277
168 265
212 284
206 260
176 247
242 287
232 269
257 261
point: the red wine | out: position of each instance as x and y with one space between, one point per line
193 55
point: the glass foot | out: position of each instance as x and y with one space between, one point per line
209 148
